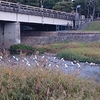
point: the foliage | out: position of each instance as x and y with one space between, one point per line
88 7
15 49
83 6
80 52
48 4
41 50
63 6
21 83
83 51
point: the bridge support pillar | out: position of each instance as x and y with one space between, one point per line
9 34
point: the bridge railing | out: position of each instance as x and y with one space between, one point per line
37 11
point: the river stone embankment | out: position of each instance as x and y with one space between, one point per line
31 38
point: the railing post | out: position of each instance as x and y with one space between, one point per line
18 4
0 4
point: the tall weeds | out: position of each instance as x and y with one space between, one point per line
21 83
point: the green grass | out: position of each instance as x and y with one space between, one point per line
94 26
81 51
76 51
20 83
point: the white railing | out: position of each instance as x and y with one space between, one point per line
37 11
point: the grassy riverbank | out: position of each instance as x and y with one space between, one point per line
94 26
83 52
20 83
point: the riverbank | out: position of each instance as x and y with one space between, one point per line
81 51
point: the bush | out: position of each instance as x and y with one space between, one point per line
15 49
41 50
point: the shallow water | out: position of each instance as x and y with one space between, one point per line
83 70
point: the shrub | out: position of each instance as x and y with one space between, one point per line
15 49
41 50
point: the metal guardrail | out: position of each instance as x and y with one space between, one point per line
31 10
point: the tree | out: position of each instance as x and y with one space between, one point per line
88 7
63 6
48 4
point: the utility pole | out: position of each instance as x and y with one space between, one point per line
93 8
41 3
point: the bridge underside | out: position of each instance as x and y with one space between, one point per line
12 32
31 27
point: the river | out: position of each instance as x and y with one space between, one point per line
84 70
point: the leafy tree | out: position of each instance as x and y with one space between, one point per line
88 7
48 4
63 6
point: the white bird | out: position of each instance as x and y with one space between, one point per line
14 57
78 65
62 59
42 56
66 66
36 63
92 64
49 65
1 57
86 63
35 57
54 58
72 63
22 60
8 60
57 66
27 63
25 59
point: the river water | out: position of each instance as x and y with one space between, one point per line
84 70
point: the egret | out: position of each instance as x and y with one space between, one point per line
27 63
72 63
22 60
57 66
25 59
35 57
66 66
62 59
1 57
49 65
78 65
54 58
14 57
92 64
42 56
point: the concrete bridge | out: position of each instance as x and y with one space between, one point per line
14 16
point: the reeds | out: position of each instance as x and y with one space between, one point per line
36 84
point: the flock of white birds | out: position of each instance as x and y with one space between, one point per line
37 60
49 62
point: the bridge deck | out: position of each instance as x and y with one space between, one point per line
37 11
